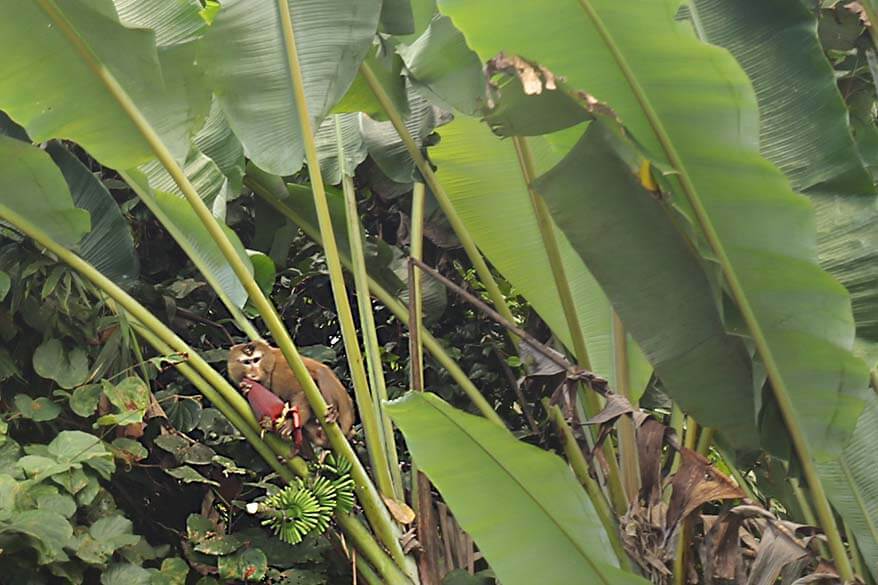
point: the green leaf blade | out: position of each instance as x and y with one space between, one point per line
671 90
47 64
531 492
332 38
35 190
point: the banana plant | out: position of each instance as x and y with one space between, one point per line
635 62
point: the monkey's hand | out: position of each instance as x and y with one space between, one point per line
331 414
284 428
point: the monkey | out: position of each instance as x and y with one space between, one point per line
258 361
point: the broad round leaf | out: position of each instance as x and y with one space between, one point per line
38 410
84 399
68 368
74 447
51 530
249 565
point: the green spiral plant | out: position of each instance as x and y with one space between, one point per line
303 508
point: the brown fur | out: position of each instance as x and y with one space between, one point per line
258 361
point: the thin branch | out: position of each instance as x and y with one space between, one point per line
483 307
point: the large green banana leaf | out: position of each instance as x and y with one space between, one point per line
217 142
103 127
327 146
248 69
483 181
440 64
386 66
180 220
523 506
174 23
851 482
41 61
35 189
479 183
657 283
776 44
386 147
108 246
692 108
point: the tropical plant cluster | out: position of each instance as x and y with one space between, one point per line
600 276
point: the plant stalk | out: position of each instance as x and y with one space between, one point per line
705 440
807 511
676 423
439 193
681 551
428 561
580 469
149 200
376 424
556 264
565 295
378 515
628 452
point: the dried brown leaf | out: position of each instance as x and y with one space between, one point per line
616 406
695 483
777 549
721 550
400 511
650 437
535 79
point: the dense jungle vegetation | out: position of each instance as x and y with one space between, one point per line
601 278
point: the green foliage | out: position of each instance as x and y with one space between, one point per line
50 505
78 507
567 543
69 369
130 397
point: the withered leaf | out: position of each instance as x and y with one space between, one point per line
650 437
721 550
776 550
695 483
617 405
400 511
857 8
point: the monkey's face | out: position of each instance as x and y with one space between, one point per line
248 362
